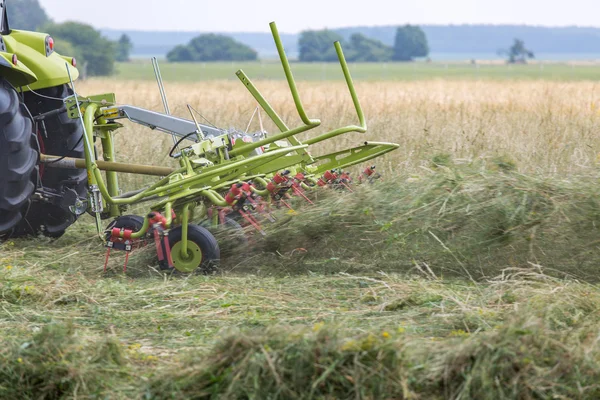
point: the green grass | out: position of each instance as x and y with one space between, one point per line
174 72
467 281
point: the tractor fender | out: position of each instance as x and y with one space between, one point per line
31 49
18 75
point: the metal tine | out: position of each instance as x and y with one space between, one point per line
163 94
198 128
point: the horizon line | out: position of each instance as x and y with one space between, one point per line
364 26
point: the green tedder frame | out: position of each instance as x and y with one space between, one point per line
208 167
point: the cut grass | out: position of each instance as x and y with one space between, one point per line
312 337
468 312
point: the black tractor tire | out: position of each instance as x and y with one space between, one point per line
19 155
59 136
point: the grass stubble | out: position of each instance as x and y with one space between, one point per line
469 272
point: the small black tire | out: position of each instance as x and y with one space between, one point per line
18 158
203 250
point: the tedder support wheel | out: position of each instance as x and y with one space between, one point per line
59 136
18 158
202 250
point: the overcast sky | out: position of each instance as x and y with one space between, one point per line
296 15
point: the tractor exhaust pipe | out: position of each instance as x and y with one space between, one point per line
79 163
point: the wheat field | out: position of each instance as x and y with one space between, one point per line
546 127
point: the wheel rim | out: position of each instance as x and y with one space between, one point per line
189 263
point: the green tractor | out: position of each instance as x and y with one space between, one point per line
34 119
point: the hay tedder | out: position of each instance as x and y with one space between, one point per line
50 172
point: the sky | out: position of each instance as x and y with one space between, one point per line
296 15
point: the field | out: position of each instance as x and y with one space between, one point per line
469 272
573 71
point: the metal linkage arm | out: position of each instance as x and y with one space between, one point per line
163 122
349 157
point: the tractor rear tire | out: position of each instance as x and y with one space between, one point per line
62 136
18 158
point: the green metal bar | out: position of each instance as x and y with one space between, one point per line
334 133
350 83
362 128
290 77
215 219
214 198
143 230
354 156
184 230
88 138
69 163
262 101
264 183
112 181
271 113
280 136
169 214
309 123
206 175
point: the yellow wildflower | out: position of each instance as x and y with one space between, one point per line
318 326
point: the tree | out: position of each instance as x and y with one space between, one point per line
181 53
318 45
518 54
364 49
410 42
26 15
94 51
211 47
124 47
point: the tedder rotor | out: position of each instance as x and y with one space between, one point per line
225 177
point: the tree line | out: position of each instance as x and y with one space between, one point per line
95 54
410 42
314 46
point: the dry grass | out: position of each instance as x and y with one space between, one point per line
395 293
548 127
